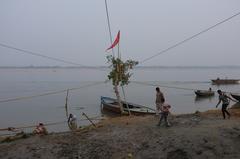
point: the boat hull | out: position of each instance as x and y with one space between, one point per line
225 81
236 96
111 108
201 93
110 104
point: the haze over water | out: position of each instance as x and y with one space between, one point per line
47 109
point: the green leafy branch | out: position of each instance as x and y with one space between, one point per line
120 74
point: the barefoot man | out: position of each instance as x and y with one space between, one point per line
225 102
159 100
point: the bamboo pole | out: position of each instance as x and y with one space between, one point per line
66 104
124 95
117 82
88 119
118 98
119 50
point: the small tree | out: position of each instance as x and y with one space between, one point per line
120 74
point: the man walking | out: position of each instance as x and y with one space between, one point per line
159 100
225 102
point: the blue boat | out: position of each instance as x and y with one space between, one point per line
111 104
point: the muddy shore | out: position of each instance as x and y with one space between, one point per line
199 135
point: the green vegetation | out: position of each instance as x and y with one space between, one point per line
120 74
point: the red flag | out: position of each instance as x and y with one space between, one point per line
115 42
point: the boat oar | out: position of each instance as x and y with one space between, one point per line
88 119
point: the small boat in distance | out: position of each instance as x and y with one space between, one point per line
204 93
110 104
236 96
219 81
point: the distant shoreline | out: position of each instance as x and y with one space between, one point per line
106 67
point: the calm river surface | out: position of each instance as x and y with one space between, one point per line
29 82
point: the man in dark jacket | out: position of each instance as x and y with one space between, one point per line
225 102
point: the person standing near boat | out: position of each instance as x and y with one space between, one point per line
225 102
159 100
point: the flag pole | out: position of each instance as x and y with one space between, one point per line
109 27
118 51
124 95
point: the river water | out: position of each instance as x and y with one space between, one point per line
47 109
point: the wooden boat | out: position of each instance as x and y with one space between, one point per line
204 93
236 96
235 105
225 81
111 105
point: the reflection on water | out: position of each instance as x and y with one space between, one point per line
199 99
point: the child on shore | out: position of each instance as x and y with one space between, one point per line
164 114
40 129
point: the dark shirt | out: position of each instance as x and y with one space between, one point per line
224 99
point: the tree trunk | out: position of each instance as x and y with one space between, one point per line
118 98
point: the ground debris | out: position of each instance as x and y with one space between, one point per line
189 137
177 154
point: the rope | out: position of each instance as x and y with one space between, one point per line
183 88
109 28
14 133
189 38
8 134
150 84
49 93
47 57
47 124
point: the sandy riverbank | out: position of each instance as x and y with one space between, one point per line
200 135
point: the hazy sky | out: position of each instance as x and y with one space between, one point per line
76 30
